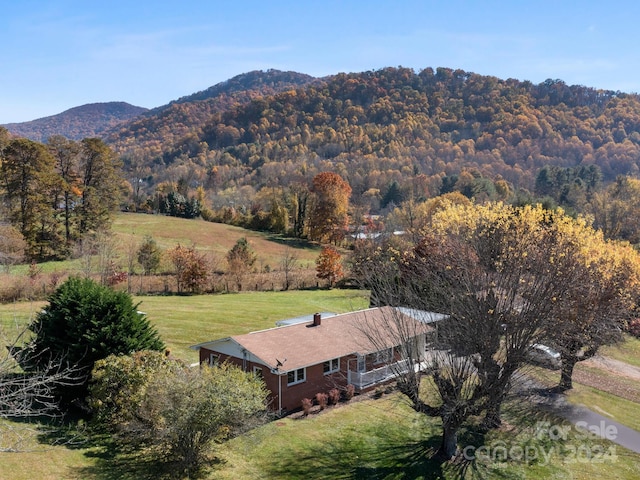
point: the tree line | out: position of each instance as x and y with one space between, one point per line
56 194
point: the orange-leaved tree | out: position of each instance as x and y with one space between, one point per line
191 268
328 220
329 265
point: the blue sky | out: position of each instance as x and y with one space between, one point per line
65 53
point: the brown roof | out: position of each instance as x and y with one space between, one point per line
303 344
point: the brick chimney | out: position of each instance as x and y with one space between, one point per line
316 320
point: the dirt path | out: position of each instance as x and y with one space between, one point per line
612 376
615 366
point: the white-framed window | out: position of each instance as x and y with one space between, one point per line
383 356
214 359
257 371
296 376
331 366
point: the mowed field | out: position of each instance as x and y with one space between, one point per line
183 321
214 238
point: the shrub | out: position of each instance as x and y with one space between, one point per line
634 327
334 396
322 399
184 413
307 403
349 392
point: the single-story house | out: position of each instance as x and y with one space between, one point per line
300 359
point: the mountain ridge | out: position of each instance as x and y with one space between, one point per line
76 123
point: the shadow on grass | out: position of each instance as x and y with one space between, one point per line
355 460
376 460
108 460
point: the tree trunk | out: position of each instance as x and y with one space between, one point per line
492 416
449 446
566 373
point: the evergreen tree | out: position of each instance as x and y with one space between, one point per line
85 322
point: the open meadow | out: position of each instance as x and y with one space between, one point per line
213 240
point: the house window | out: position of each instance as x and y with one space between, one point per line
331 366
257 371
214 359
296 376
383 356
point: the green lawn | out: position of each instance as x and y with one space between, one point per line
385 439
370 439
627 351
188 320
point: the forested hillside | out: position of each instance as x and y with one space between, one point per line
148 137
250 152
90 120
377 128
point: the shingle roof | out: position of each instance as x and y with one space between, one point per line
303 344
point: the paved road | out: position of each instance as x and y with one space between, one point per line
605 427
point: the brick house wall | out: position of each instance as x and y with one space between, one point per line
316 381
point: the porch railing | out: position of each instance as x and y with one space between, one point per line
362 380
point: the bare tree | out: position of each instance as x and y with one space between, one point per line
28 395
499 277
98 251
288 262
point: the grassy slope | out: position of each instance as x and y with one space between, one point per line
129 229
215 238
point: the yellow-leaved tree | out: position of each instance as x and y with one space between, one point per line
506 278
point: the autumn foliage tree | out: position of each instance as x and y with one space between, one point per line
56 194
240 260
329 265
191 268
328 220
506 278
28 178
602 302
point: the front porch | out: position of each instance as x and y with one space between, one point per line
364 380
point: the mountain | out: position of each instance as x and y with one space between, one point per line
90 120
159 129
424 131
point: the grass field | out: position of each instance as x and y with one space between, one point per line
216 239
187 320
367 439
628 351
